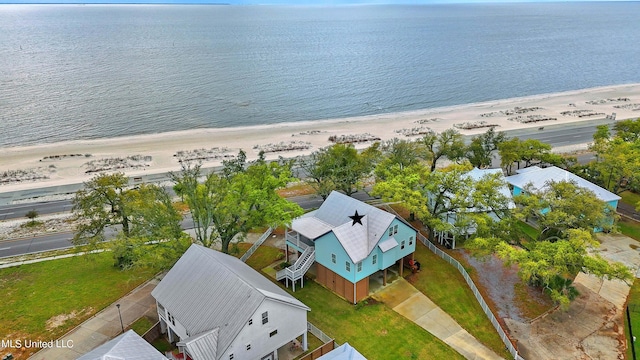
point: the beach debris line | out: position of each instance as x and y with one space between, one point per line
416 131
353 138
632 107
473 125
515 111
309 132
283 146
531 118
607 101
426 121
22 175
214 153
118 163
581 113
61 157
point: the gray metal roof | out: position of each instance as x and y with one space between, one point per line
202 346
539 179
128 346
343 352
207 289
357 240
310 226
388 244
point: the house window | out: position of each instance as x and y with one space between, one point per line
250 321
395 229
273 333
333 258
374 260
347 266
391 231
402 245
410 240
248 347
171 319
359 266
265 317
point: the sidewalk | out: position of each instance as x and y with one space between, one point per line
105 325
407 301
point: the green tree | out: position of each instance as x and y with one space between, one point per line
400 154
617 165
448 143
628 130
243 197
552 265
338 167
433 196
480 150
530 152
31 215
562 206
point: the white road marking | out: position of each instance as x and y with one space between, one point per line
7 248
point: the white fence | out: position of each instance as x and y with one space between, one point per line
256 245
505 339
319 334
483 304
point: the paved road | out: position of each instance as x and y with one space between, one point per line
14 247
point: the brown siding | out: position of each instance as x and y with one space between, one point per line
324 349
362 289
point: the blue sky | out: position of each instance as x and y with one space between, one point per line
296 2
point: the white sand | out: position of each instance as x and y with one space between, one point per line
162 147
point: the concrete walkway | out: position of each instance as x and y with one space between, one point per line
105 325
407 301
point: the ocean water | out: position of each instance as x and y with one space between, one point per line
85 72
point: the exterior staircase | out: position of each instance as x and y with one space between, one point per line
299 268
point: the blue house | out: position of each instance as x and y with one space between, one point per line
348 241
539 178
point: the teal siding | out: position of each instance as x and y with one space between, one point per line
328 244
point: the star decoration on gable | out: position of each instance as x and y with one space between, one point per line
356 218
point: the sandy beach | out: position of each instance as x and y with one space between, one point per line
71 162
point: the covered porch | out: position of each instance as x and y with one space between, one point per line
296 241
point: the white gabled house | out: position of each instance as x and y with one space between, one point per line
215 307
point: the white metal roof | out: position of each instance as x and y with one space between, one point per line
539 179
343 352
311 227
128 346
207 289
388 244
202 346
357 240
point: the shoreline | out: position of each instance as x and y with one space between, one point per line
80 160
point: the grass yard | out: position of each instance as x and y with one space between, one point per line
395 337
376 331
444 285
629 228
528 230
263 257
630 198
45 300
141 325
634 307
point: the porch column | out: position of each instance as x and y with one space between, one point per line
401 265
286 251
384 277
305 346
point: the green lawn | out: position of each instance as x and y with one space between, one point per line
394 336
634 307
528 230
446 287
45 300
630 198
629 228
376 331
141 325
